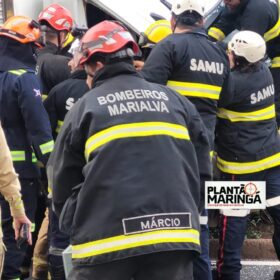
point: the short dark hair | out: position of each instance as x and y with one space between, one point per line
243 65
188 18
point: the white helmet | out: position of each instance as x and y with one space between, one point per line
249 45
181 6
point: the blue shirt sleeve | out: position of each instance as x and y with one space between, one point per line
35 116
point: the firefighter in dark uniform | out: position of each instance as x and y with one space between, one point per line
248 146
189 63
25 123
63 96
52 66
59 101
261 16
126 169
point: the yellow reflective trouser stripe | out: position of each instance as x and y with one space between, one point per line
58 127
18 72
216 33
275 30
123 242
134 130
259 115
275 63
248 167
47 147
196 89
18 155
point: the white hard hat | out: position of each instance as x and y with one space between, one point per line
181 6
249 45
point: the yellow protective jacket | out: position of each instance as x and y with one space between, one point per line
9 183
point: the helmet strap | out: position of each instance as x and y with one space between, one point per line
59 41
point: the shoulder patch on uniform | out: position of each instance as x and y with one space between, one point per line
37 92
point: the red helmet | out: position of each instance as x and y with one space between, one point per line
21 28
57 17
106 37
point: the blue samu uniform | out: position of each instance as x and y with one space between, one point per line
28 132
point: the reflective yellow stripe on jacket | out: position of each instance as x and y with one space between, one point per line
18 155
259 115
144 129
216 33
58 126
275 63
248 167
44 97
275 30
47 147
196 89
34 159
18 72
123 242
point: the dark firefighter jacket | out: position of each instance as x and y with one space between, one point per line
193 66
63 96
52 68
23 116
130 152
248 140
261 16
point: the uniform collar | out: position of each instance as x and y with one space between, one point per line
48 48
79 74
14 55
51 48
112 70
195 30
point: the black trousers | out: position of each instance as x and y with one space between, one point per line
173 265
58 242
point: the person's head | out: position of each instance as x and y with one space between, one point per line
154 33
56 23
74 63
21 28
107 42
187 14
232 4
247 48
